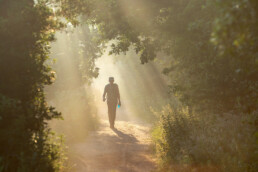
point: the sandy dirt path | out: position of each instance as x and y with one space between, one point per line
124 149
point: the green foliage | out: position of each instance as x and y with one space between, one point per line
212 46
217 143
83 46
235 37
26 29
211 49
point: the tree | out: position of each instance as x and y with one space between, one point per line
26 30
200 75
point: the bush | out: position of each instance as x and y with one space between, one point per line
216 142
27 144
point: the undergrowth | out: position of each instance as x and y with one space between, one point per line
214 142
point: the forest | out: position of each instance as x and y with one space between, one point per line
186 68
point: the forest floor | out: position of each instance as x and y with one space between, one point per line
124 149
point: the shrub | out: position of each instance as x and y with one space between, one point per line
218 142
27 144
27 28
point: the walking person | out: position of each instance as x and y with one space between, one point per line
113 99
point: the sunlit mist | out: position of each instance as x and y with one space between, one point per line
141 87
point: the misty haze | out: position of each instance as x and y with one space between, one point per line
128 86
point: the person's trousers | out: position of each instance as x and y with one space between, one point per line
112 113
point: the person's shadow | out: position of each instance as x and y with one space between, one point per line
125 137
